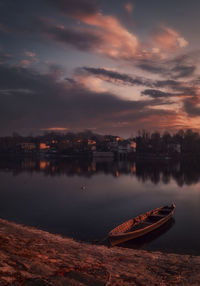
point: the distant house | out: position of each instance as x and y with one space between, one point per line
26 147
92 145
133 146
91 142
117 138
113 146
125 148
44 146
175 147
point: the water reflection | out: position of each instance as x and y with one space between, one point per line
142 242
85 199
184 172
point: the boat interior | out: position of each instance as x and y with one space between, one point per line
149 218
143 220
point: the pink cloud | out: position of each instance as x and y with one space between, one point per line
118 42
129 7
105 35
169 40
30 54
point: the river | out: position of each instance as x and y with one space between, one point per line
85 199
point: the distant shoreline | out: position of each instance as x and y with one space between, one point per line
132 157
29 255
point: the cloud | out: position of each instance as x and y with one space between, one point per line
183 71
154 93
30 54
118 41
33 101
81 38
24 63
171 87
183 66
192 106
168 69
111 37
152 67
169 40
115 77
76 8
129 7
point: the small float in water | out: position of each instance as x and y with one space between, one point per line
141 225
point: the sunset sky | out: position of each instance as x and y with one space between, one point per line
109 66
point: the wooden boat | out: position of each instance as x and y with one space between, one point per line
141 225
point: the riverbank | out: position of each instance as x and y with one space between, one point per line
29 256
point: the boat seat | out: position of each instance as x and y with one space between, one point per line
156 217
164 212
140 226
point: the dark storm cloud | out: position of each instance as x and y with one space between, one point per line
183 88
179 87
29 100
178 71
183 71
152 68
180 67
172 88
82 39
116 77
183 66
170 83
154 93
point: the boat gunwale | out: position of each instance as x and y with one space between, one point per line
121 234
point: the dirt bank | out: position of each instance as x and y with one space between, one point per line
33 257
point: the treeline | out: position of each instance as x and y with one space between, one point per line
156 144
183 142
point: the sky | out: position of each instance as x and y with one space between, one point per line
112 66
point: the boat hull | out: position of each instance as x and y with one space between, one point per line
123 237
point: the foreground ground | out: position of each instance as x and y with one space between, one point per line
33 257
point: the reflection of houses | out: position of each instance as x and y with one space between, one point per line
28 165
100 154
44 164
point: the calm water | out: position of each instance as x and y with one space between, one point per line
48 194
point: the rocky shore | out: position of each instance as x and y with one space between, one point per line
29 256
